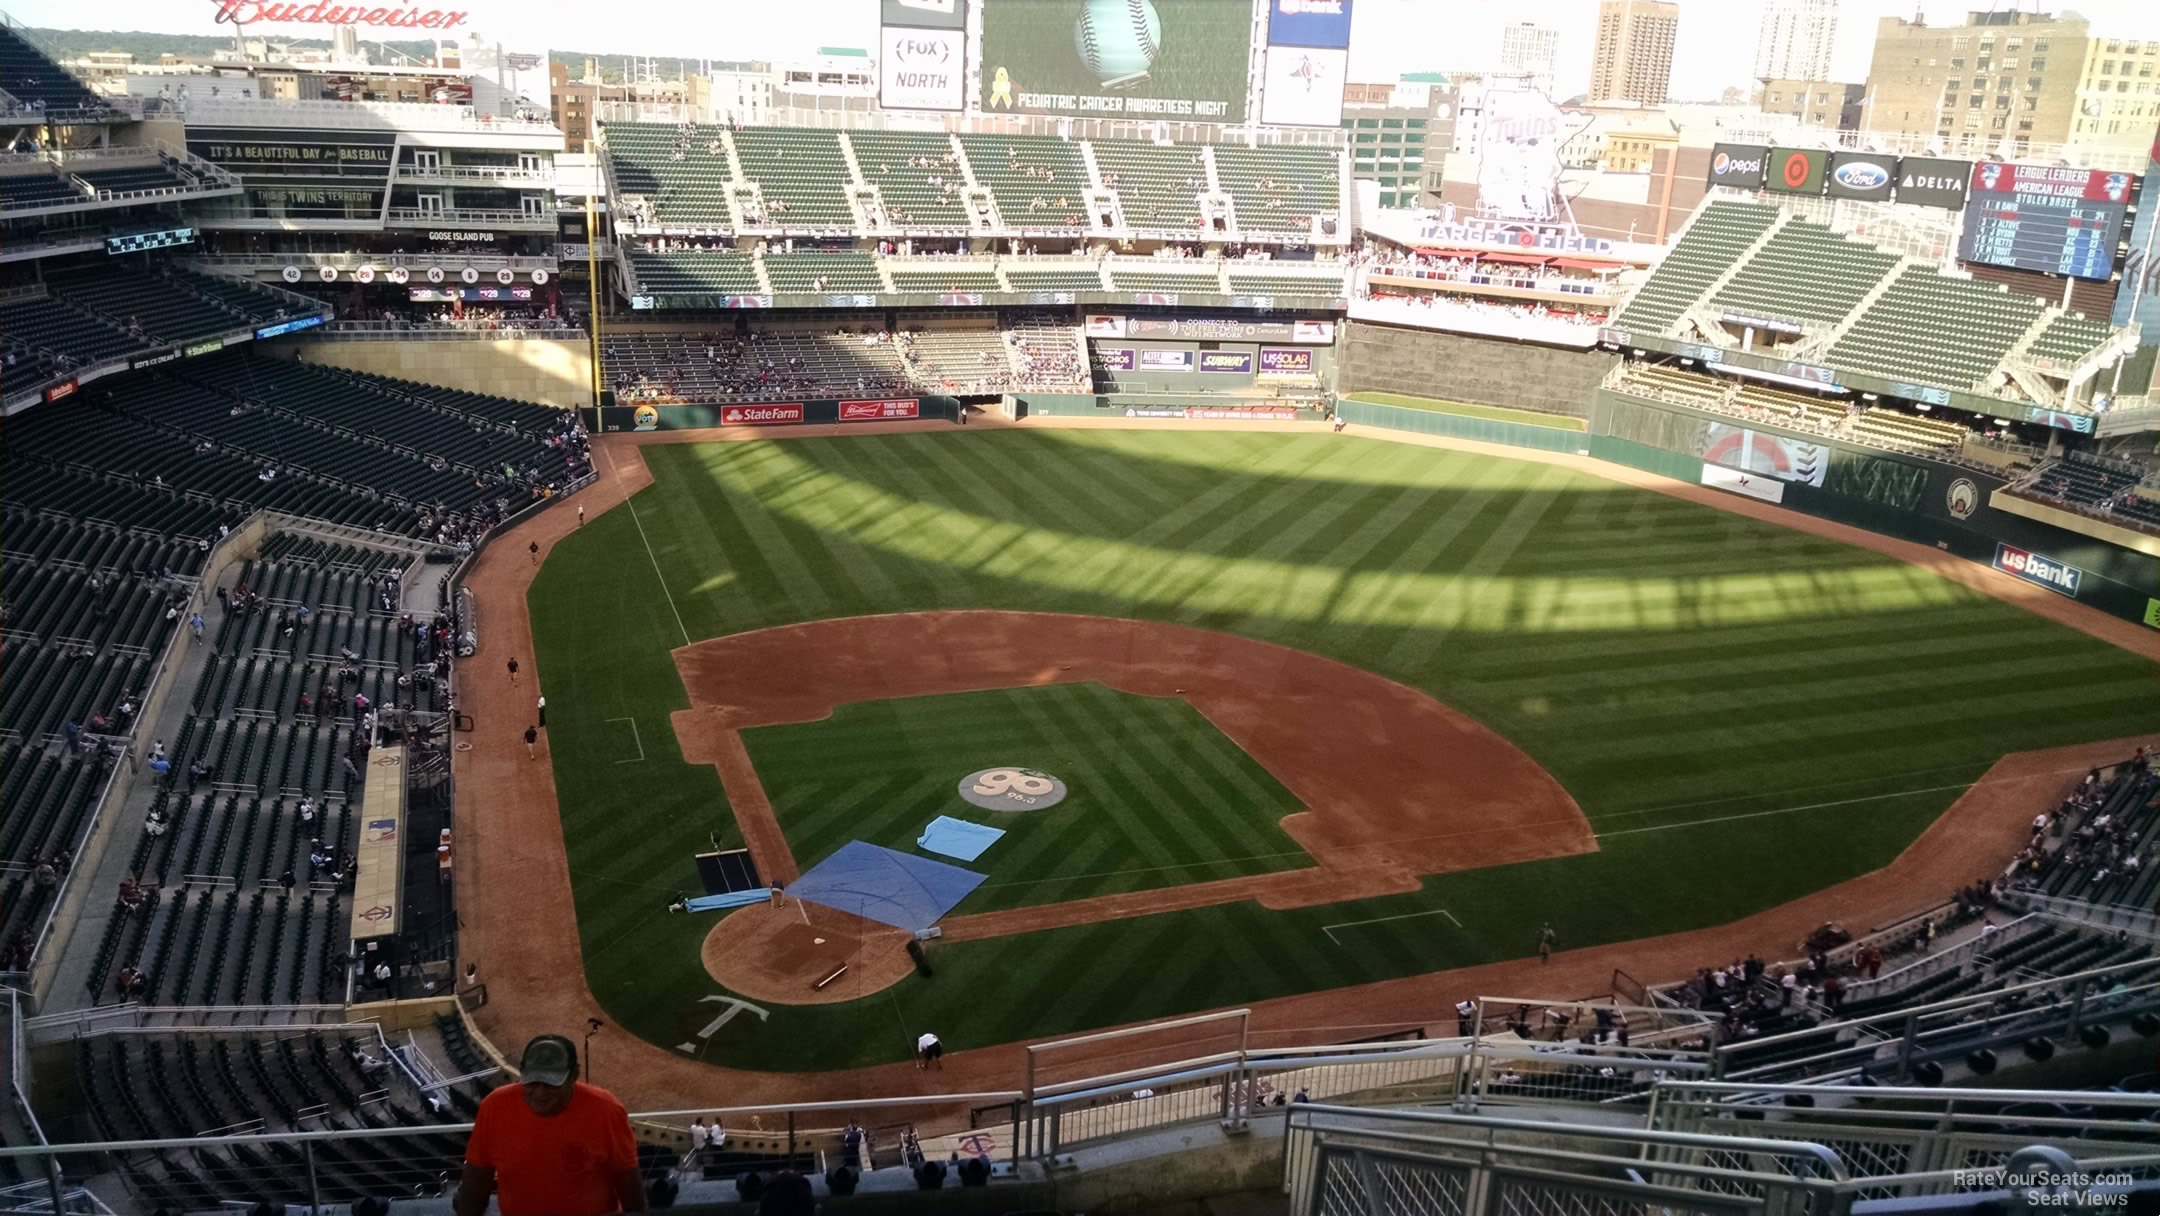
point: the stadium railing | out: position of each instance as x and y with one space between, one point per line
1455 318
403 331
2141 923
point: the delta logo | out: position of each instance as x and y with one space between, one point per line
1861 175
1727 165
2033 568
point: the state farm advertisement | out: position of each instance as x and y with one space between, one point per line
761 415
877 411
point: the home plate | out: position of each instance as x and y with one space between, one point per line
819 941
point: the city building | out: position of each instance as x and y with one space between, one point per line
1632 57
1399 136
1529 49
2013 84
1796 39
1636 149
1829 104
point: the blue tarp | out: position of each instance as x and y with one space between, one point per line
890 887
730 899
958 838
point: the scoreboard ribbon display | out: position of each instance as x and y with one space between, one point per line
2045 218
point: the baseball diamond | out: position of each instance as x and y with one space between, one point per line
839 627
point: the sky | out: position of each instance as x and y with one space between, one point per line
1716 46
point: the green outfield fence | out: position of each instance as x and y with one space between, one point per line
1461 426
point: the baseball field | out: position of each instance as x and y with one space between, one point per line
1330 710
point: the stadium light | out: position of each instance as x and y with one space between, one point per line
1922 406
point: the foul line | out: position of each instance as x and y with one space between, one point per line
1381 920
633 738
629 501
1787 810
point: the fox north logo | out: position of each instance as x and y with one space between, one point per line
2033 568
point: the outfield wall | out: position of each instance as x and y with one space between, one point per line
775 413
1250 406
551 371
1461 426
1458 367
1907 497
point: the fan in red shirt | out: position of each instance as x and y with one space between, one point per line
550 1146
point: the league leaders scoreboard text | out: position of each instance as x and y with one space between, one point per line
2037 217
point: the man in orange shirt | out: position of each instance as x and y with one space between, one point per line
551 1146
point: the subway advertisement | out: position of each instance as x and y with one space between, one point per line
1176 60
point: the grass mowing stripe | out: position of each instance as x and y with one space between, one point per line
1616 634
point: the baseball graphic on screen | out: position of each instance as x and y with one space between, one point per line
1118 39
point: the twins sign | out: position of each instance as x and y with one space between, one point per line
2033 568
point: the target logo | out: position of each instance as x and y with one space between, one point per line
1796 171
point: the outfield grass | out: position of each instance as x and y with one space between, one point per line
1559 422
1785 711
1158 797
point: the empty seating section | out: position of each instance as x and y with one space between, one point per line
1902 334
695 272
1812 413
31 78
935 277
926 194
1329 285
82 319
1038 181
1717 238
1672 384
1069 278
165 308
1888 428
423 424
1279 188
678 173
802 175
180 1085
1806 272
1049 353
822 271
957 360
40 189
2110 490
2069 339
1158 185
47 324
1150 278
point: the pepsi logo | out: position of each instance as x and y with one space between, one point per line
1861 175
1725 164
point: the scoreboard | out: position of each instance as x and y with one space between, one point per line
2039 217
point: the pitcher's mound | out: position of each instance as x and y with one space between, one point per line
777 956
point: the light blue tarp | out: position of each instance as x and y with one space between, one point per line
731 899
958 838
884 885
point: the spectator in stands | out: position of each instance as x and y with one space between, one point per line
550 1145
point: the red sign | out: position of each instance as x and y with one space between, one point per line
248 12
65 388
873 411
760 415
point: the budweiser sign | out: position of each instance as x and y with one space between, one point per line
321 12
871 411
760 415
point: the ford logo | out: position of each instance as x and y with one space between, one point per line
1861 175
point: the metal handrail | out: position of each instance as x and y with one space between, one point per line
1833 1166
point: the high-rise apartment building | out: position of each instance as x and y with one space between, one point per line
1530 50
1796 39
1632 58
2016 84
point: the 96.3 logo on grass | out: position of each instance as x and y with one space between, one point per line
1012 789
